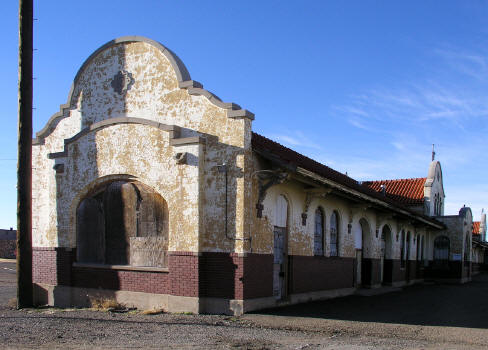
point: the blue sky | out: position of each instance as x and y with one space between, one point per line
362 86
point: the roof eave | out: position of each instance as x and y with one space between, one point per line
363 196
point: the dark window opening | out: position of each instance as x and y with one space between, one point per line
441 252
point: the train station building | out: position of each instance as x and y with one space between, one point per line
149 189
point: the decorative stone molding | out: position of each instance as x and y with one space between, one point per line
181 157
309 196
122 82
265 181
59 168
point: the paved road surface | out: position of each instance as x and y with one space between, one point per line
8 280
428 305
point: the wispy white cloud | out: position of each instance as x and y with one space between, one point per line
358 123
399 122
433 98
471 63
414 104
295 139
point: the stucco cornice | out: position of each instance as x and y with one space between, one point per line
182 74
173 130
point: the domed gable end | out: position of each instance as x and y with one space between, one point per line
434 190
138 77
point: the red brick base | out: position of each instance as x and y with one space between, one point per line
52 265
213 275
314 273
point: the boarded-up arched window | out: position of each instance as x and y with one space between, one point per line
123 223
441 252
90 228
334 234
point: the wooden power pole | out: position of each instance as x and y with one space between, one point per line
24 166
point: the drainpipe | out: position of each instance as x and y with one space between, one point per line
223 168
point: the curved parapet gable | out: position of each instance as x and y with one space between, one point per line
181 74
434 190
465 212
435 173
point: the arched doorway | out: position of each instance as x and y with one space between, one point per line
385 274
280 248
122 223
407 257
363 255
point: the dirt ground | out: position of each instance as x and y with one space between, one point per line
419 317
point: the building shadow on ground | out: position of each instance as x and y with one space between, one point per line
426 304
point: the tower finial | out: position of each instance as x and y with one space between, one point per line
433 152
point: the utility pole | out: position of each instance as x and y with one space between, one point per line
24 166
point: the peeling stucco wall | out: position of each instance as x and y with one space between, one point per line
141 152
194 190
301 238
459 228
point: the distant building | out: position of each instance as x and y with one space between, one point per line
480 245
8 241
149 189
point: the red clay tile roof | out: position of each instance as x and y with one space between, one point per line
295 159
476 228
409 192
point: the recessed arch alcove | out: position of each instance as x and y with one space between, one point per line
122 222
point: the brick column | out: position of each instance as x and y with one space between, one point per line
183 273
52 265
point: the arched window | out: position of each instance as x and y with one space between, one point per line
467 249
318 247
402 249
441 252
436 204
334 234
